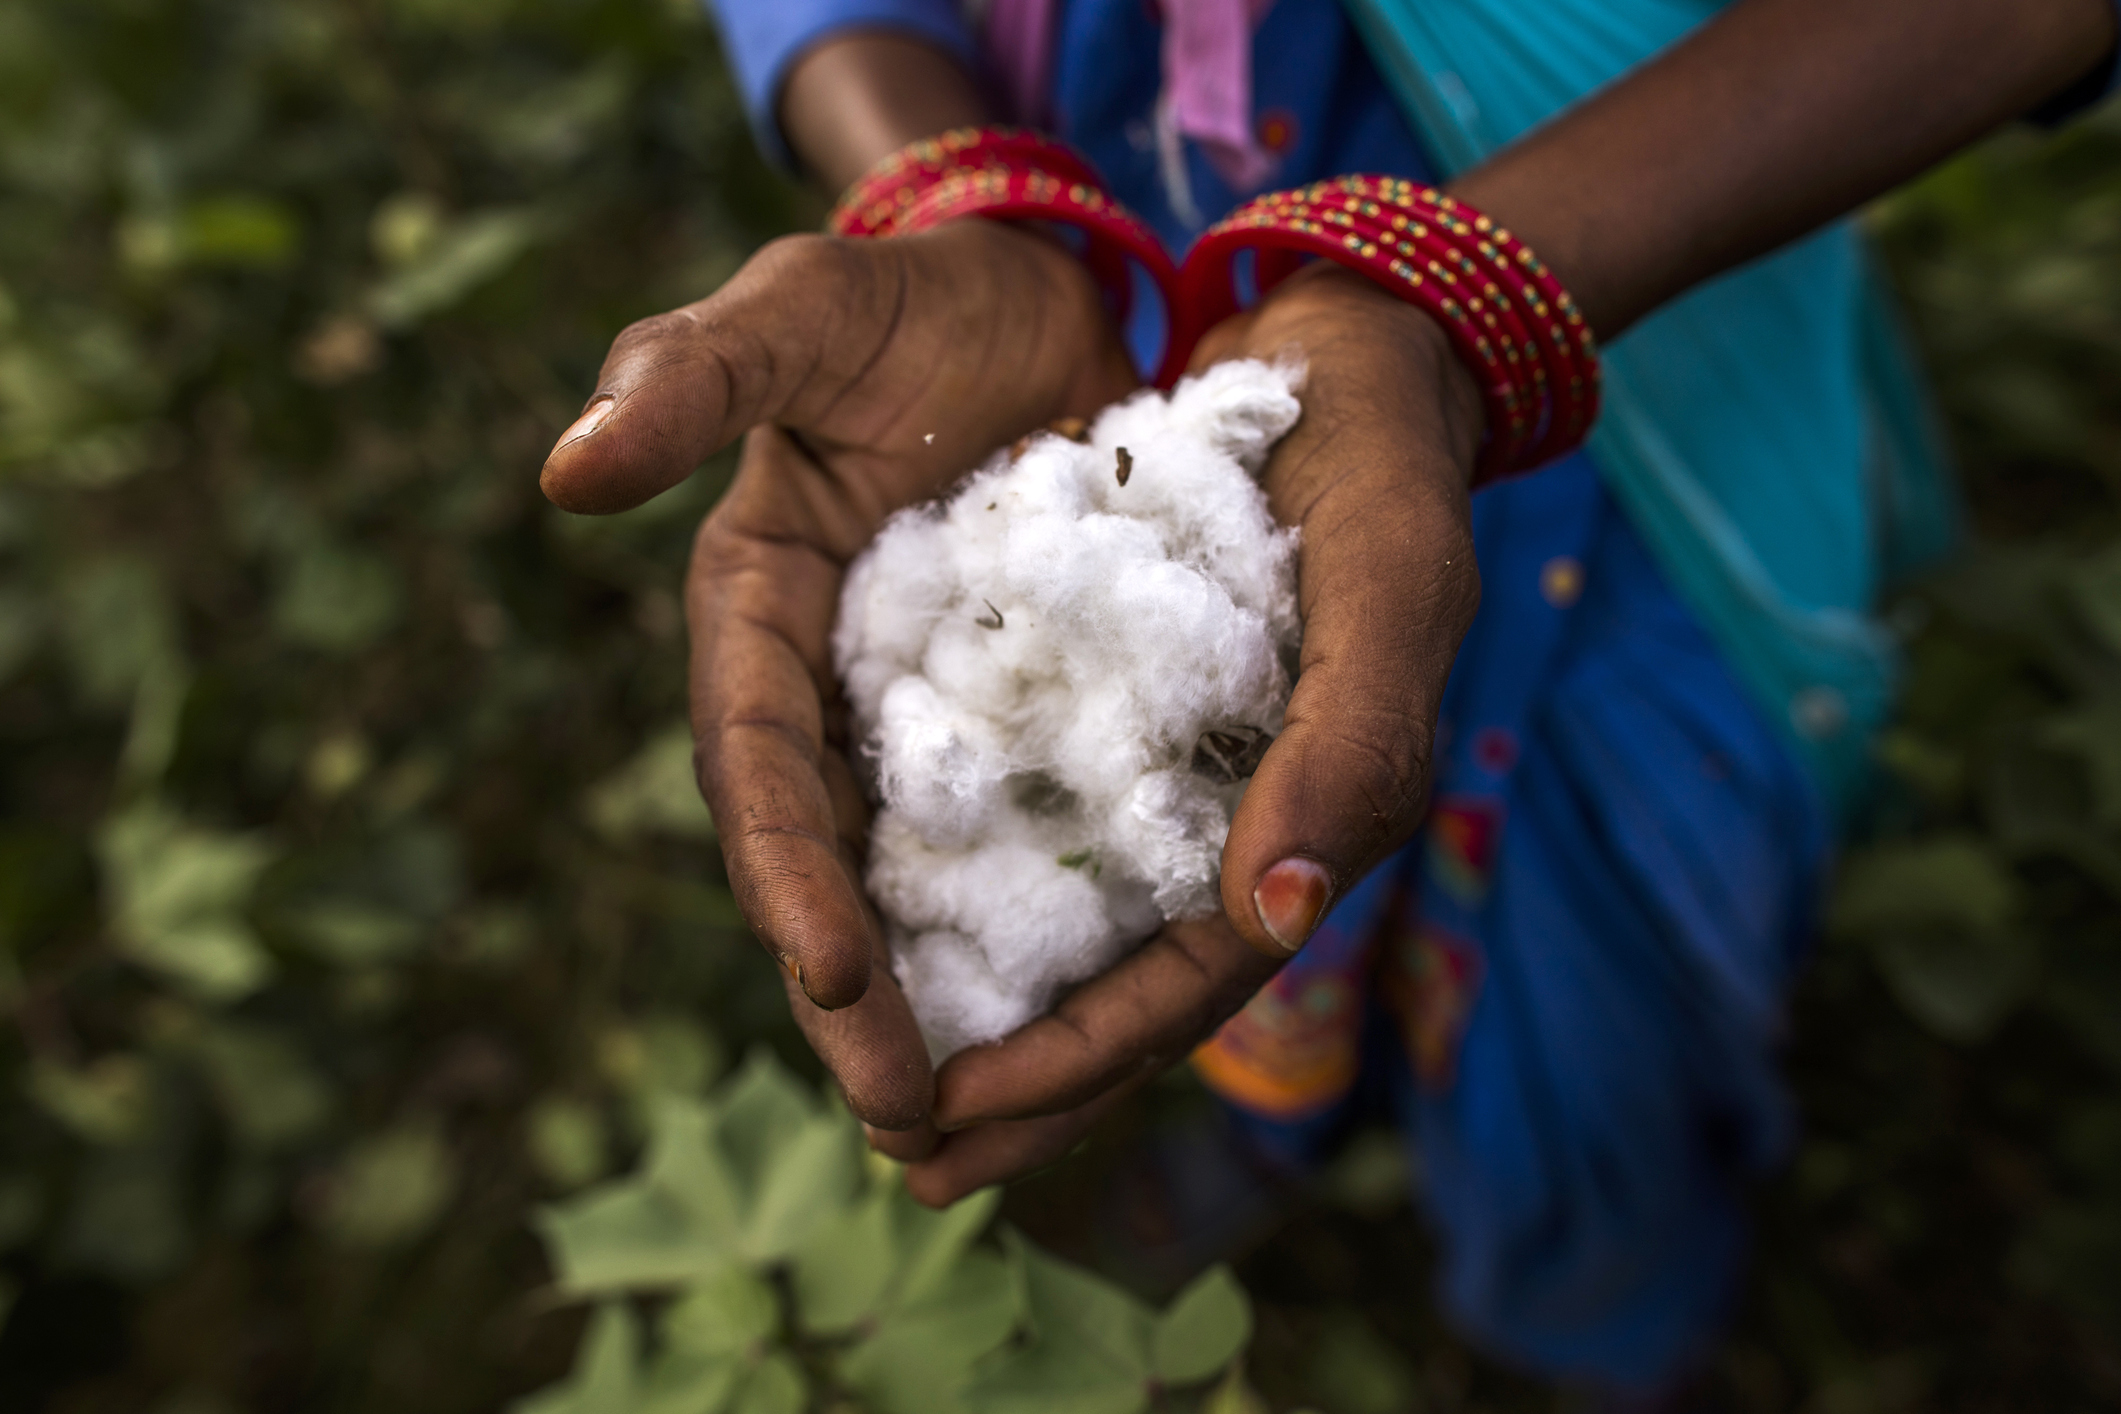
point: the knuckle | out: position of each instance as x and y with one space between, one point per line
805 261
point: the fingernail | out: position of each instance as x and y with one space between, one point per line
591 419
1291 898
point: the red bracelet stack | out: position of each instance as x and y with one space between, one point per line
1506 315
1007 174
1509 319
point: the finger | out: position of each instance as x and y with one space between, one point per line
996 1152
874 1050
1387 586
927 351
677 387
906 1145
760 599
1137 1019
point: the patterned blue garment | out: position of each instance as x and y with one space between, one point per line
1567 992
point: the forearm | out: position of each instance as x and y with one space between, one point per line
1777 116
857 98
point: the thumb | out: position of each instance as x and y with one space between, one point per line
799 320
1388 587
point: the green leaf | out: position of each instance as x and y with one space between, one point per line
1235 1395
105 1102
566 1141
687 1382
921 1355
119 626
688 1168
606 1366
454 262
777 1386
177 894
1938 918
725 1313
1076 1311
1353 1371
2095 592
349 933
654 793
125 1216
337 599
271 1094
933 1242
806 1179
391 1188
1041 1379
239 230
628 1235
757 1113
844 1265
1203 1331
2093 735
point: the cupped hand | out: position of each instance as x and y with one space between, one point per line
868 376
1376 474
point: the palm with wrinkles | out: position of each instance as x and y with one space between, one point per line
869 375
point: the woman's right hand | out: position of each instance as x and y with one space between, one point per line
868 374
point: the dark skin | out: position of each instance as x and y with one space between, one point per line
837 358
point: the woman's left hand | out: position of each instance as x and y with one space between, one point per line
1376 476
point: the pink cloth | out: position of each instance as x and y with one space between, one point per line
1207 64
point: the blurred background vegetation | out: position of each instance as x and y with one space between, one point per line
354 898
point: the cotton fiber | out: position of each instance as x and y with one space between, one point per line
1060 677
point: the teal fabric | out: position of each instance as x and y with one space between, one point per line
1766 433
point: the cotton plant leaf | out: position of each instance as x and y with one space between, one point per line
761 1109
921 1355
271 1094
1234 1394
656 792
807 1177
1049 1379
1071 1309
1204 1329
844 1265
727 1312
456 261
1088 1350
687 1167
566 1140
338 599
688 1382
391 1188
775 1386
1940 919
934 1241
2092 735
628 1235
605 1378
178 894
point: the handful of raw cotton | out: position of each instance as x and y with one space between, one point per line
1062 676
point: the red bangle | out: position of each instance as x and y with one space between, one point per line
1506 315
1010 174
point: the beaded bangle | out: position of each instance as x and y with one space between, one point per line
1506 315
1009 174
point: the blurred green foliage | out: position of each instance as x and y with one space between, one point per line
355 904
788 1268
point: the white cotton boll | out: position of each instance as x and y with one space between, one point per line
1033 667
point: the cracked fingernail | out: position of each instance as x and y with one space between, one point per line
592 418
